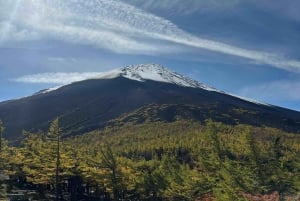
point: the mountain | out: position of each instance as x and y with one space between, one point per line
136 93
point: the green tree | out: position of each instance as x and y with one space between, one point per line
183 183
1 134
282 176
218 167
152 182
3 165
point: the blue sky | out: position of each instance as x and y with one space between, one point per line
245 47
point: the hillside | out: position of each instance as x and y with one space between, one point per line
181 160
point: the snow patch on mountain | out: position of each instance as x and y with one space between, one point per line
50 89
154 72
159 73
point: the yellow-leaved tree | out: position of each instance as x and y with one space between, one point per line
45 161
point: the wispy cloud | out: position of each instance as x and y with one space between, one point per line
63 77
10 32
182 8
122 28
282 90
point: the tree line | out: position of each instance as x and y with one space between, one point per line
182 160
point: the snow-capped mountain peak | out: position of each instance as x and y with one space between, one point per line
154 72
159 73
143 72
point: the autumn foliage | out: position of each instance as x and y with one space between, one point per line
182 160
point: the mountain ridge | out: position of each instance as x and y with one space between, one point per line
142 72
90 104
154 72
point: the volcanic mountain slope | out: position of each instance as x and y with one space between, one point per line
136 93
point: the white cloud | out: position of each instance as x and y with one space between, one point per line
10 32
122 28
179 7
64 77
282 90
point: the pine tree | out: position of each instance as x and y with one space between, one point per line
3 165
54 139
183 183
1 133
217 167
152 181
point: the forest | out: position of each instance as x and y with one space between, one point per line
181 160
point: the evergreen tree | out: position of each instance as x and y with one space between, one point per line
3 165
109 162
54 138
1 134
152 181
182 182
